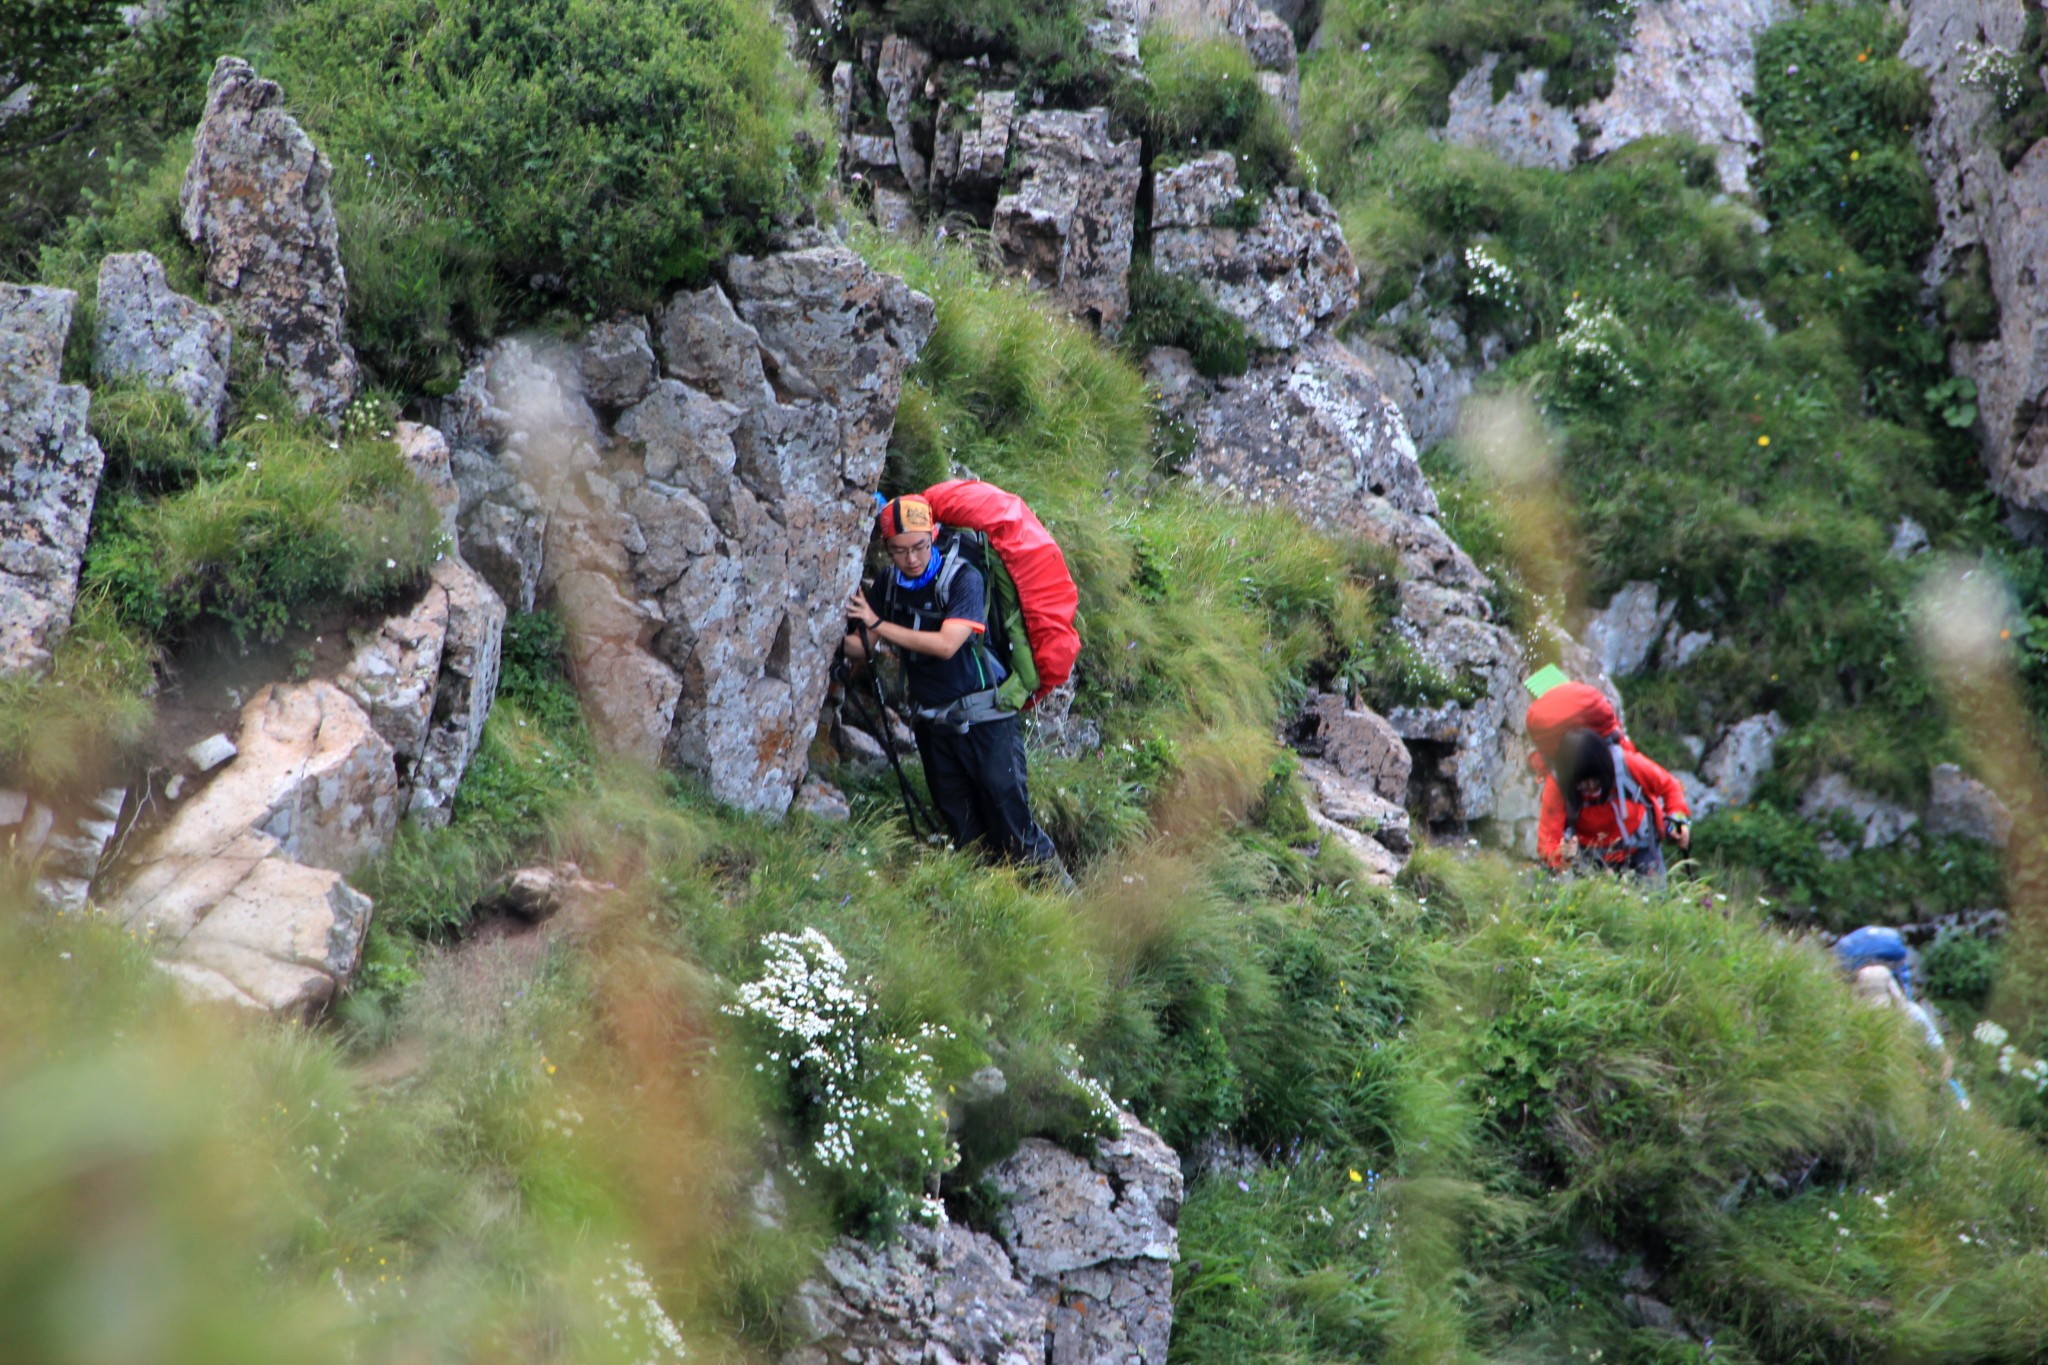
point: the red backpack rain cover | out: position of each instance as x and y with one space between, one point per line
1571 706
1045 590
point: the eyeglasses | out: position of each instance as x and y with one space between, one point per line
907 551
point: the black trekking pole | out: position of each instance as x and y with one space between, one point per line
889 740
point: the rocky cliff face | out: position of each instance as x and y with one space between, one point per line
693 491
1080 1270
49 475
1993 219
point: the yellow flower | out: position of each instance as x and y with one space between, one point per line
1356 1178
1855 156
1761 440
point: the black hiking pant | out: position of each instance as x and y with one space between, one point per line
1646 863
978 786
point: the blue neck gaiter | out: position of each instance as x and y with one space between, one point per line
931 571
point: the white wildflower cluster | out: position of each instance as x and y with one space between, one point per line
869 1097
1102 1106
1489 277
2011 1062
635 1318
1591 344
1993 68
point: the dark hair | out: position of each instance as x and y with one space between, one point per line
1583 756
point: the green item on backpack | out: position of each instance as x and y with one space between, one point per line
1004 606
1544 678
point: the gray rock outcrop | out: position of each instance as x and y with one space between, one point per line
1067 220
1308 429
1623 633
241 891
1879 823
1999 214
149 332
702 547
1095 1239
50 469
1744 753
1961 805
1522 128
938 1294
1689 68
1361 744
1284 276
255 202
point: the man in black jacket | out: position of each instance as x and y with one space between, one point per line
934 612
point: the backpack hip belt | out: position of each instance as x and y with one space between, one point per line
963 714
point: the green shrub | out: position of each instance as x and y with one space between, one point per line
1961 967
108 94
1170 310
1838 110
290 520
593 152
1200 94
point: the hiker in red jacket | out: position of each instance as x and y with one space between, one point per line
1616 802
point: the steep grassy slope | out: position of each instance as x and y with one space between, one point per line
1743 409
1485 1115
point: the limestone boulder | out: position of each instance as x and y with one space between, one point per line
975 147
393 671
241 891
1430 387
465 686
1311 429
617 362
1625 631
65 844
1879 823
1352 801
701 547
426 453
936 1294
1114 33
256 203
1284 276
1744 753
1688 68
1379 863
901 69
1961 805
1067 220
50 468
1360 744
1521 127
1095 1238
149 332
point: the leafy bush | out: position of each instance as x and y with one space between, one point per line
107 94
1839 111
1202 93
1961 967
589 151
